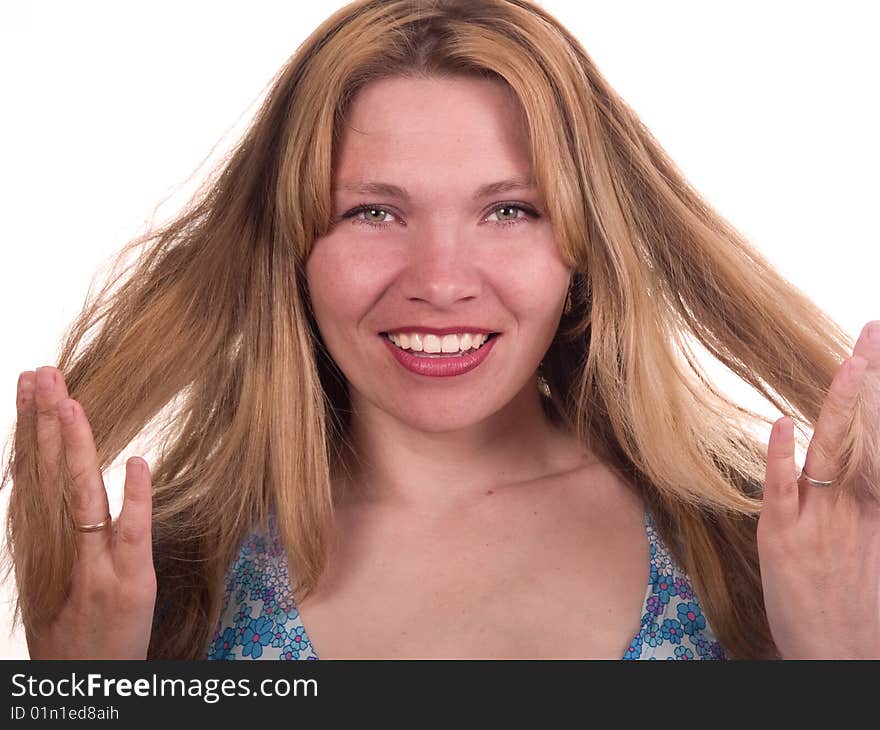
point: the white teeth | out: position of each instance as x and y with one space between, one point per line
434 344
450 344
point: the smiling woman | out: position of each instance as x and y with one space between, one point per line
426 335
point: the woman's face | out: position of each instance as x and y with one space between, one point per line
437 257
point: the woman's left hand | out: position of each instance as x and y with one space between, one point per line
819 547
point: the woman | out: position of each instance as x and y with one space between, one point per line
512 501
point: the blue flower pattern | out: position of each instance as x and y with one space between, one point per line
257 634
673 623
260 619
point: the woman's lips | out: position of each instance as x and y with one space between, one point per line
440 367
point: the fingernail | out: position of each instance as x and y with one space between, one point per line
780 428
25 387
66 411
874 332
45 379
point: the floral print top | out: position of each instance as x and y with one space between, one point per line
260 619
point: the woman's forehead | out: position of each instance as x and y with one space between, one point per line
418 113
397 153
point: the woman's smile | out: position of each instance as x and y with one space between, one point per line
435 358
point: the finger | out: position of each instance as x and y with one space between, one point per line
133 546
24 424
868 344
834 419
780 485
868 347
89 497
50 391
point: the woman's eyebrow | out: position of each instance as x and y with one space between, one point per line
374 187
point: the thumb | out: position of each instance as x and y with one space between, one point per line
781 493
134 544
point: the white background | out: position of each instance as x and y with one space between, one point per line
770 109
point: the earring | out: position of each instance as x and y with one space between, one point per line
543 386
567 308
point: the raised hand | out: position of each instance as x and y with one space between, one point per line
108 614
819 546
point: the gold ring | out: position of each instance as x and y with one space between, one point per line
96 527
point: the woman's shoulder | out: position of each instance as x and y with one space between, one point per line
259 619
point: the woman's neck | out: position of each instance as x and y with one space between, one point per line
431 472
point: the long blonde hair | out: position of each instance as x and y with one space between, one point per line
210 332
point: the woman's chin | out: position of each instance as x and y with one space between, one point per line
440 419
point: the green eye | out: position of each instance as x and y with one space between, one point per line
370 210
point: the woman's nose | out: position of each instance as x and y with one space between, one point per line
441 268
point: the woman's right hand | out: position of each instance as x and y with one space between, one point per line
112 593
